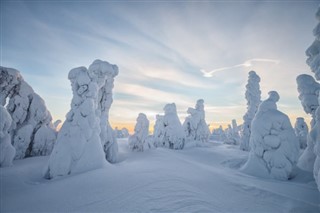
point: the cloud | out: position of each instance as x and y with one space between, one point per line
248 63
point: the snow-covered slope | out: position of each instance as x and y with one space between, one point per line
202 179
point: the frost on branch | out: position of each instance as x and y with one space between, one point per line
195 126
301 130
308 90
253 96
140 140
32 131
7 151
85 133
274 146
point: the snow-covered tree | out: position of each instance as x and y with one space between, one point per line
7 151
170 132
158 131
104 73
313 53
315 138
195 126
218 134
32 131
274 146
253 96
80 144
308 90
232 133
139 141
121 133
301 130
125 132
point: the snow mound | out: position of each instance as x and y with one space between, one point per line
32 130
274 146
7 151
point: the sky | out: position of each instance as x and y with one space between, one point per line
166 51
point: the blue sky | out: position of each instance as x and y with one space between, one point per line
161 48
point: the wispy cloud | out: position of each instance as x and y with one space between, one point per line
248 63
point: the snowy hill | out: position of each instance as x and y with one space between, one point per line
203 179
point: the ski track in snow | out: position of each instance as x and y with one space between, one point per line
201 179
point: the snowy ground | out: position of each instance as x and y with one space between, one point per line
203 179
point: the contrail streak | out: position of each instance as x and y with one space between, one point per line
248 63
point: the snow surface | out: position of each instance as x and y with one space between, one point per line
274 145
253 97
201 179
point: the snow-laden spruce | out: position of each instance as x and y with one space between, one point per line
7 151
104 73
121 133
140 140
301 130
195 126
253 96
81 143
158 131
274 146
308 90
232 134
32 131
313 52
218 134
168 130
315 138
